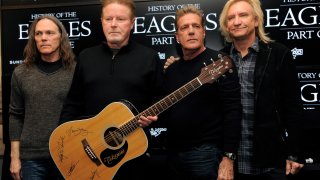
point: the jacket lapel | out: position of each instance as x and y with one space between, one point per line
261 65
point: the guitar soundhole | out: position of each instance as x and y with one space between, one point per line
113 137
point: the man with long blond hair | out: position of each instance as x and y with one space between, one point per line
269 145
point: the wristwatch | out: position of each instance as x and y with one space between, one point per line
231 156
293 158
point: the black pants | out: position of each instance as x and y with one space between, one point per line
275 174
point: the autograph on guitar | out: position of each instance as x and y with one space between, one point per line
95 148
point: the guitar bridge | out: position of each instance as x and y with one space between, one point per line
90 152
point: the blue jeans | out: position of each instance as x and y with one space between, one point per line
199 163
40 170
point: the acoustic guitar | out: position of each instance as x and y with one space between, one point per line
95 148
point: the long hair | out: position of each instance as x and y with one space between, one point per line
31 52
257 12
129 3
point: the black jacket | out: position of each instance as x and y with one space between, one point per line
133 74
277 105
210 114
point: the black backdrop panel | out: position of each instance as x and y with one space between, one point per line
155 24
309 77
296 24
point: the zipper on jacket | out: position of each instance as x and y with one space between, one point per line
283 132
113 61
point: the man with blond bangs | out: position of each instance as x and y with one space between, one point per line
271 122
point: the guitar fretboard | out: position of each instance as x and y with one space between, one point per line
161 105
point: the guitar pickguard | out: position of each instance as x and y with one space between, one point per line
112 157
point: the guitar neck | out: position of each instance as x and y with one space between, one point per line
172 98
208 75
162 105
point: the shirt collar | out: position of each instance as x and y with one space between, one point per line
254 46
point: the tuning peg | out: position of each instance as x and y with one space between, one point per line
220 56
213 63
204 63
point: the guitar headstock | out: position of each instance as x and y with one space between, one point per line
213 71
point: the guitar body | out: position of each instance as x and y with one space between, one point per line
95 148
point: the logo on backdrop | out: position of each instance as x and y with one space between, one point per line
77 22
296 52
155 24
158 23
75 27
300 20
310 89
157 131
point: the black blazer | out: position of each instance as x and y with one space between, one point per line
277 105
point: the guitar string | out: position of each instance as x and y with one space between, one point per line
132 124
127 128
134 121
